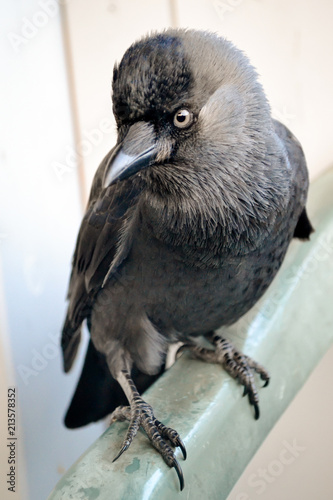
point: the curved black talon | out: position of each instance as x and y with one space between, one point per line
124 448
266 383
256 411
182 447
179 474
140 414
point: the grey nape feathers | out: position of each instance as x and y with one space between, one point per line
189 219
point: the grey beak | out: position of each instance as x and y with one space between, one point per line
137 151
122 165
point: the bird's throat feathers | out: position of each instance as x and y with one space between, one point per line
201 212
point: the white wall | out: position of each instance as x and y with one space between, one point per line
290 43
295 461
39 220
52 100
98 33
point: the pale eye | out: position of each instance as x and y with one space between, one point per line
183 118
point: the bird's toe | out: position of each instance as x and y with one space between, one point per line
163 438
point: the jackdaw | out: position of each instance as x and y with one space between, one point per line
189 218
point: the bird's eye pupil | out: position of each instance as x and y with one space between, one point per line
183 118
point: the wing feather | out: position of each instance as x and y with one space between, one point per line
96 247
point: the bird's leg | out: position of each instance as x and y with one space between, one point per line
140 414
239 366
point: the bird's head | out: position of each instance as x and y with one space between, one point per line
182 97
194 122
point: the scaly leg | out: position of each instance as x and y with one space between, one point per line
140 413
239 366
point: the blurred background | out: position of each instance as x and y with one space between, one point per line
56 125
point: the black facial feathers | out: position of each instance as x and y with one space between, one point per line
152 78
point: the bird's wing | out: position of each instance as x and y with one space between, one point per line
304 227
300 176
96 247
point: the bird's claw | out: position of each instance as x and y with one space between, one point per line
182 447
172 436
180 475
141 414
124 448
239 366
266 382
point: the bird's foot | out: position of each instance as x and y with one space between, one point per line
239 366
140 414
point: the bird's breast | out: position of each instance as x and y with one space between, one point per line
158 281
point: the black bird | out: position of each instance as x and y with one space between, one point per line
189 218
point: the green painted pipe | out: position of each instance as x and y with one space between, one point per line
288 331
